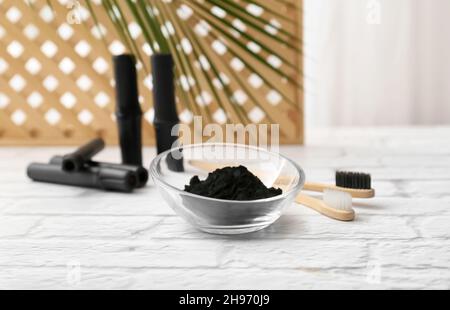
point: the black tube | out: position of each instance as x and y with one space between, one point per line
75 161
94 177
128 110
140 173
166 116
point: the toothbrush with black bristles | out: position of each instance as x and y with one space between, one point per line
357 184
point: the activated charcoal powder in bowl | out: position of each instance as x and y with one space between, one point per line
232 183
231 200
226 192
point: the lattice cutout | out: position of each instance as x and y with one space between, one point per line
56 79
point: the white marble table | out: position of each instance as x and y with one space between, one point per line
69 238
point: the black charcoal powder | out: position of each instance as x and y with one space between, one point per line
232 183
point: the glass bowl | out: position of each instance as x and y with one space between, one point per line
172 170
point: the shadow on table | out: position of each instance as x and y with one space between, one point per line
368 205
285 226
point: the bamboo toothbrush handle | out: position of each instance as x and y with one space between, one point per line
356 193
321 207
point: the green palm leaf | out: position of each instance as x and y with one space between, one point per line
174 26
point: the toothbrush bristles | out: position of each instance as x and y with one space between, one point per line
338 200
353 180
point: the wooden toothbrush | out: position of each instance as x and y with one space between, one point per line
358 185
354 192
336 205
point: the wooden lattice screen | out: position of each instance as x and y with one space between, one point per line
56 76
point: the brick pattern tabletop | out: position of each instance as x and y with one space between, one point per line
55 237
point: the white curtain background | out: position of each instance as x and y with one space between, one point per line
377 62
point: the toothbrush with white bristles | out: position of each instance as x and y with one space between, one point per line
335 204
